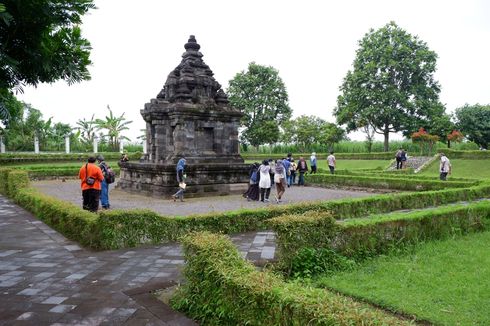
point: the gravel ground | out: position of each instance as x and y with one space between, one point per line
69 190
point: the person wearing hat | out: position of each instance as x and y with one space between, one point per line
313 162
444 167
104 191
91 178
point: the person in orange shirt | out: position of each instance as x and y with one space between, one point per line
91 177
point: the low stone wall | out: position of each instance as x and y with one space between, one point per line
158 180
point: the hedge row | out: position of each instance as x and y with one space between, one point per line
385 182
364 237
323 156
12 158
127 228
474 155
392 174
223 289
59 172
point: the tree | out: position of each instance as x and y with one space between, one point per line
87 129
114 126
40 41
391 86
425 140
474 123
303 131
454 136
330 134
261 95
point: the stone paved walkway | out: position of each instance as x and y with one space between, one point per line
46 279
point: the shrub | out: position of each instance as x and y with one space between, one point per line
385 182
4 180
72 221
222 289
16 180
363 237
12 158
472 155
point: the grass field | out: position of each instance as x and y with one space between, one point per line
445 282
477 169
350 164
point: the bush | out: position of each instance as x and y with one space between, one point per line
223 289
364 237
70 220
472 155
338 156
16 180
4 172
385 182
16 158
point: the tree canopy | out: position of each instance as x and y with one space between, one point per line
474 123
391 87
40 41
261 95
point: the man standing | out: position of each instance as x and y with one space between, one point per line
444 167
313 162
287 167
91 177
398 157
331 162
104 192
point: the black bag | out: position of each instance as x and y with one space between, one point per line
88 180
109 174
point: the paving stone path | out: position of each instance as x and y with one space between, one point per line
46 279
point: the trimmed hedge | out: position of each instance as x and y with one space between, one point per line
322 156
126 228
4 172
12 158
385 182
474 155
70 220
16 180
223 289
363 237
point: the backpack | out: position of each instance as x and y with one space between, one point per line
109 175
253 177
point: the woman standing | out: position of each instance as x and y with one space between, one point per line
280 180
253 189
180 179
265 181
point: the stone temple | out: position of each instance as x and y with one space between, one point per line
191 118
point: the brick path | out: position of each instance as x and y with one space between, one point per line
46 279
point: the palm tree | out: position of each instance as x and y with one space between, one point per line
87 129
114 126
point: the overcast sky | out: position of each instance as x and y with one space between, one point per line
311 43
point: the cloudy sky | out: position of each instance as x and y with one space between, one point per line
311 43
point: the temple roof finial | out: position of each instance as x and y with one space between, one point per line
192 44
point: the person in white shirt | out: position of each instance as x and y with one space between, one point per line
265 181
331 162
444 167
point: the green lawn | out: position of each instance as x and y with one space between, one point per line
477 169
445 282
349 164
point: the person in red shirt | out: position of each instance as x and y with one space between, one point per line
91 177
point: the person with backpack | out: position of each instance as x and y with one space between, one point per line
287 168
180 179
91 177
302 169
109 177
253 188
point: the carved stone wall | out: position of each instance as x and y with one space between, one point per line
190 118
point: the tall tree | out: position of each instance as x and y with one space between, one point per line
391 86
40 41
474 123
114 127
330 134
261 95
